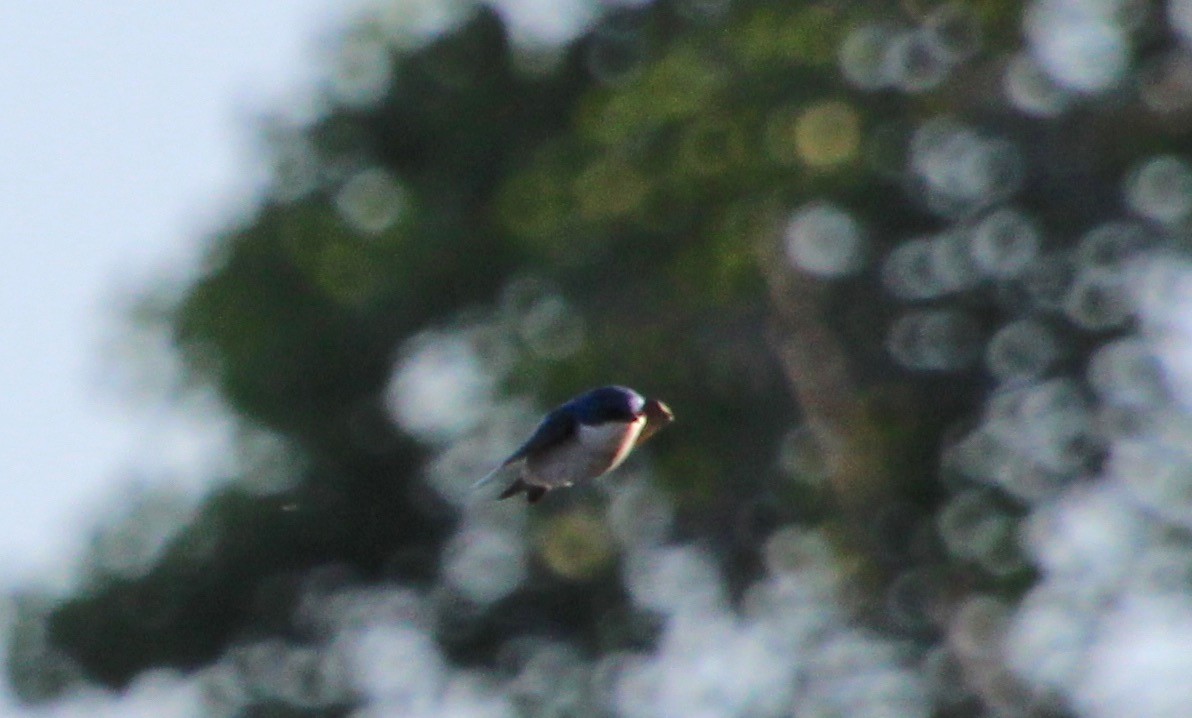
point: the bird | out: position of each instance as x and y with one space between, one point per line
588 436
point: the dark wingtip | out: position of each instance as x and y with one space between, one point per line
533 493
514 489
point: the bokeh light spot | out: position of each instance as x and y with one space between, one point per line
440 388
577 545
371 201
1160 189
828 134
826 241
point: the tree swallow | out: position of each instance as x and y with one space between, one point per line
588 436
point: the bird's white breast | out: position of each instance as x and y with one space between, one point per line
595 450
613 439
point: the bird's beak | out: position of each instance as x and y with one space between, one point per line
657 411
657 416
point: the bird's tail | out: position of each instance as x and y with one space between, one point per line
488 478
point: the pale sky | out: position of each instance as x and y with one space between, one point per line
127 132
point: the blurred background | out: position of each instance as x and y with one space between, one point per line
285 279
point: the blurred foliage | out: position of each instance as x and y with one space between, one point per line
642 175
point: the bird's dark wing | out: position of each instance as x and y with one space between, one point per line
557 427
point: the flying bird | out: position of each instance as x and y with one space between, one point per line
586 437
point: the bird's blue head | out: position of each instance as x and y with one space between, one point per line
608 403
